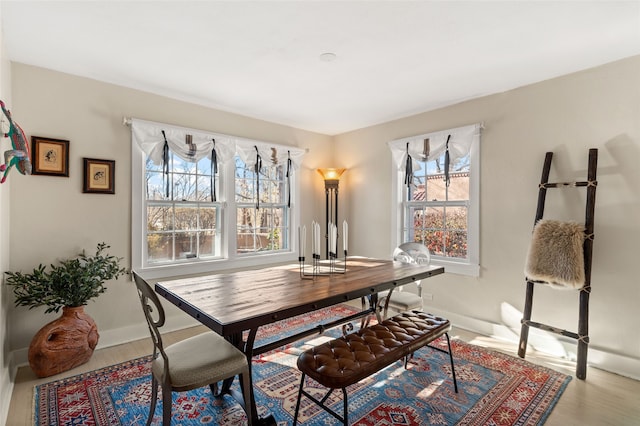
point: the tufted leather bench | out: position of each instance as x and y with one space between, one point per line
347 360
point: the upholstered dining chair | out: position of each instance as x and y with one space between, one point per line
192 363
402 301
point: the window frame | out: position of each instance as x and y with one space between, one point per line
175 203
270 204
471 266
226 199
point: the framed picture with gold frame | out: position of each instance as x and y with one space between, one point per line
99 176
49 156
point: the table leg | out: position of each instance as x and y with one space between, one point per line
373 304
365 320
235 340
385 308
247 348
373 307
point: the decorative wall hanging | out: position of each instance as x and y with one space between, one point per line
19 156
99 176
50 156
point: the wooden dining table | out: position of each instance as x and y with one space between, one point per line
235 305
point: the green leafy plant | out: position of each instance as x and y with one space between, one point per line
72 283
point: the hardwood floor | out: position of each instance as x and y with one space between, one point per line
603 399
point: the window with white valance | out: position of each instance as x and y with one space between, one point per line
436 192
204 200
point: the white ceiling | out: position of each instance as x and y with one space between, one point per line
262 59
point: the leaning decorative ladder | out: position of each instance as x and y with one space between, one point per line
582 336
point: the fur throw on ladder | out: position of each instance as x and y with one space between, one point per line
556 254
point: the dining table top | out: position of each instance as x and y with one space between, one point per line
230 303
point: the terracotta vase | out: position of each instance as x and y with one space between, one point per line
64 343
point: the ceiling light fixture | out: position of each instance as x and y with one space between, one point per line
328 57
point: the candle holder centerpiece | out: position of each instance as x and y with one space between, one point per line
333 264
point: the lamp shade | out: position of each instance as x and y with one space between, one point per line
331 174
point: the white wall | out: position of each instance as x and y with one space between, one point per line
596 108
53 219
6 384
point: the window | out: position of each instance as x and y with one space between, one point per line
182 219
203 201
261 211
436 187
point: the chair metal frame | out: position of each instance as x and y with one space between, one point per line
418 253
155 317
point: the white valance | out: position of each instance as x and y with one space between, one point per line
151 136
249 150
158 139
460 141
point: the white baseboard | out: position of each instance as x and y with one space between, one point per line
548 343
139 331
6 384
115 337
542 341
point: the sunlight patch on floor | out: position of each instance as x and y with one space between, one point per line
511 348
429 390
380 384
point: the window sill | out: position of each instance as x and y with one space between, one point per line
458 268
216 266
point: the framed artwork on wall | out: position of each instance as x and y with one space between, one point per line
99 176
49 156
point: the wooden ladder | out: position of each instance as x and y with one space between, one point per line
582 336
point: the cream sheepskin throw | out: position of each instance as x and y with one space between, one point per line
556 254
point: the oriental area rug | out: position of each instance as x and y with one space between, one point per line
494 389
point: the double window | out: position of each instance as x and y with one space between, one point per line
203 201
436 187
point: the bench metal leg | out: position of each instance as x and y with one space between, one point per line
346 407
453 369
450 352
295 416
301 391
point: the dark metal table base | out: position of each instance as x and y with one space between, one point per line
251 351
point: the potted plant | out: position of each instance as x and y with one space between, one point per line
68 341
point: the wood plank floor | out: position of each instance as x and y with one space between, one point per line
603 399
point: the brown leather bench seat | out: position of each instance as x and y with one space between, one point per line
348 359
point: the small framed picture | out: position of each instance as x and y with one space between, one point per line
99 176
49 156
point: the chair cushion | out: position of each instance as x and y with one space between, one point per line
403 300
200 360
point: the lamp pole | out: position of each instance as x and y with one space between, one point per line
331 181
331 206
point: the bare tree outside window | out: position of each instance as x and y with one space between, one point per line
437 214
262 213
182 219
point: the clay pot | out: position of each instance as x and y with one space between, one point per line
64 343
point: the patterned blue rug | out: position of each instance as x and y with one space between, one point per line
494 389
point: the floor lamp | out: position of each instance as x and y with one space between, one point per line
331 180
